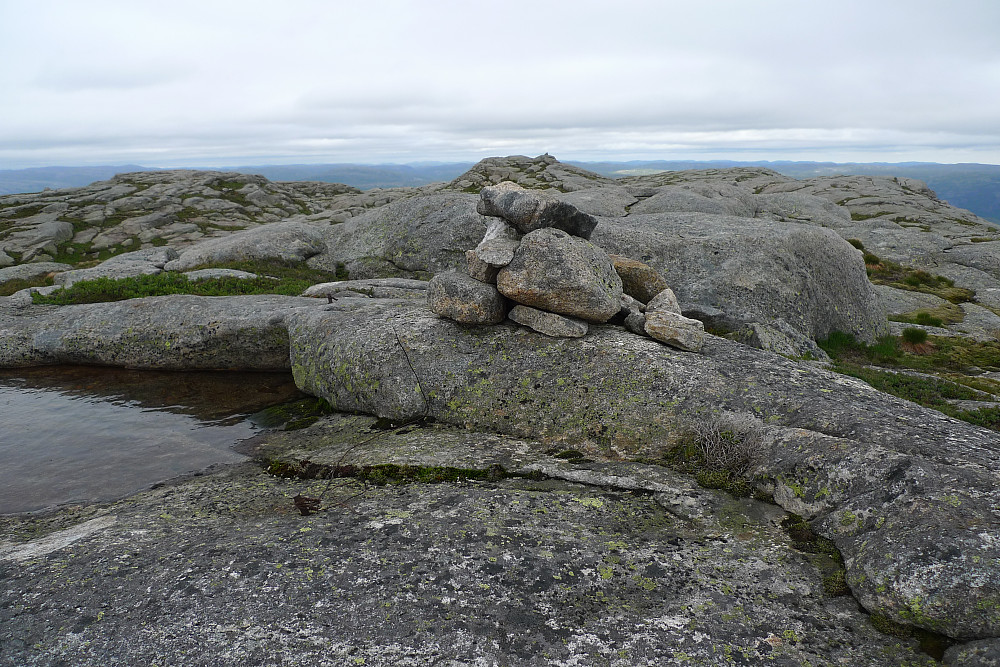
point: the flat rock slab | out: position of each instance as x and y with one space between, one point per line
549 324
168 332
514 571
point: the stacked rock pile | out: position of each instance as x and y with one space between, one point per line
536 266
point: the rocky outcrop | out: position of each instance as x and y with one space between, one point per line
410 238
286 242
32 270
126 265
908 495
168 332
898 467
754 270
598 563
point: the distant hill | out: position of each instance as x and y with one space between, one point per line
13 181
975 187
362 176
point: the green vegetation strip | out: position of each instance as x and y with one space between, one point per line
102 290
274 277
945 357
885 272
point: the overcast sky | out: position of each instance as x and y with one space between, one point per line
220 83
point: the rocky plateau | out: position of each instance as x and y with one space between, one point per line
522 365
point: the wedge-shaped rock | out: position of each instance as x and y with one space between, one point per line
529 210
464 299
128 265
664 300
562 274
639 280
549 324
480 270
675 330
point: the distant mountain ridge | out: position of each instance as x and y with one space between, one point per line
975 187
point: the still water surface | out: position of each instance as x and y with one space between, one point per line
72 434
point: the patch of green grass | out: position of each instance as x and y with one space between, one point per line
10 286
930 392
229 190
914 336
983 239
284 270
102 290
886 272
944 357
856 216
25 212
188 213
845 348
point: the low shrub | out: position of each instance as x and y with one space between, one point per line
730 442
914 336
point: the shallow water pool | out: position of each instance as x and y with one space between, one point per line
82 434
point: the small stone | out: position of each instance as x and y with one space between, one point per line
464 299
675 330
499 244
480 270
636 323
549 324
639 280
664 301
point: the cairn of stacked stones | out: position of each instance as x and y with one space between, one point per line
536 266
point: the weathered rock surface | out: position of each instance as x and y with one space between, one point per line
126 265
754 271
909 496
530 210
549 324
378 288
31 271
480 270
464 299
539 173
499 244
985 653
562 274
221 568
409 238
476 381
284 241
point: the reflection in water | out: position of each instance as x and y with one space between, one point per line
83 433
